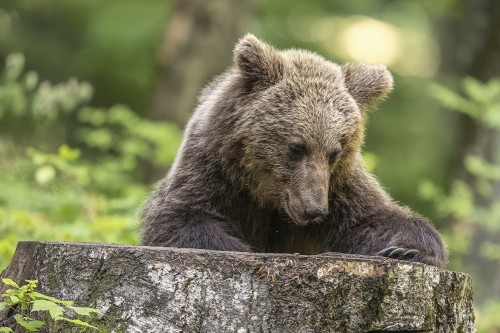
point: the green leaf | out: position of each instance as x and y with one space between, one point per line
30 80
6 330
12 292
45 174
68 154
3 305
9 282
475 89
78 322
29 324
491 115
14 299
55 310
14 65
52 299
83 311
482 168
452 100
32 284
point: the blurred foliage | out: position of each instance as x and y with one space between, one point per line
112 43
469 205
69 194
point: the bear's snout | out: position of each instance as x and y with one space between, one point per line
308 202
314 213
304 208
315 205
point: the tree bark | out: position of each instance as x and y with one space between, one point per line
146 289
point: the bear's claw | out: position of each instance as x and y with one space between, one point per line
395 252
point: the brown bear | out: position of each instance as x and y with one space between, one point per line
271 162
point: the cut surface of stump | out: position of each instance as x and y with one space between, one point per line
151 289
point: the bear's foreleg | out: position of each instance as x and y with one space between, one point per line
191 230
394 233
415 240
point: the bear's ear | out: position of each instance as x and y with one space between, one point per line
367 83
258 62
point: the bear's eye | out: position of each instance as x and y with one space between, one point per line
296 150
334 155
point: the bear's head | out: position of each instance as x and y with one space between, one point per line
302 124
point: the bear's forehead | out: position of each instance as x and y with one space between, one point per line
312 100
304 64
320 122
312 79
317 111
314 95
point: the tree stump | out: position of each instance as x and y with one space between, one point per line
149 289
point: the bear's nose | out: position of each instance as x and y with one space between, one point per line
313 213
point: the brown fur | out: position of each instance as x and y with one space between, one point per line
271 162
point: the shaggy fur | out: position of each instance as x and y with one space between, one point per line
271 162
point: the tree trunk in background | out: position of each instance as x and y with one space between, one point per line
475 51
198 44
